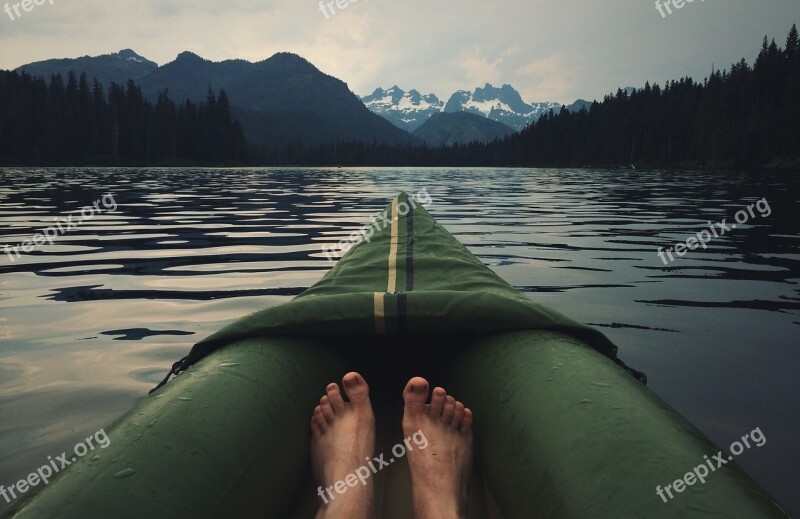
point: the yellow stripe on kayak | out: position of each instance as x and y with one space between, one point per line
392 286
380 324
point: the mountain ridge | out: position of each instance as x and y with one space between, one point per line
117 67
448 128
502 104
283 91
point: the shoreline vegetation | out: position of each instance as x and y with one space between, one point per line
742 118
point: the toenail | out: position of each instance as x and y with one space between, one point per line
418 388
331 387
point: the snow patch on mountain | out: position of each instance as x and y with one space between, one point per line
502 104
410 110
407 110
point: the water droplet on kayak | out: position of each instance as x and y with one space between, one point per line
228 364
94 458
585 401
184 398
158 396
152 423
125 473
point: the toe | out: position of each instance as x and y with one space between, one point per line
356 389
458 416
415 394
335 397
437 402
315 430
449 410
466 422
320 419
327 409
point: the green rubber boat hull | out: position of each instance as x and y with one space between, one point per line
563 428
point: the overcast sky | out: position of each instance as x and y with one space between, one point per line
550 50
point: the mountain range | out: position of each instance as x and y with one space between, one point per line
278 101
285 99
406 110
409 110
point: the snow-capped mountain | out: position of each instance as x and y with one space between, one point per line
409 110
406 110
502 104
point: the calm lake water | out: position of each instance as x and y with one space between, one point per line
90 323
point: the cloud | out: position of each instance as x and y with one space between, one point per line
512 51
544 79
539 46
475 68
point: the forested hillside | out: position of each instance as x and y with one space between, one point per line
79 123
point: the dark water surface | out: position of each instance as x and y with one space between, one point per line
90 323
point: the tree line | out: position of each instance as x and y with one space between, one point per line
73 122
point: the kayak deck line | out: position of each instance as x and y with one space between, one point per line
392 269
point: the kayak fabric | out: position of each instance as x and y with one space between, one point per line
408 275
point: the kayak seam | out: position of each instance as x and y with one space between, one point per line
410 248
393 245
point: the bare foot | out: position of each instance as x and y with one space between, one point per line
440 473
342 439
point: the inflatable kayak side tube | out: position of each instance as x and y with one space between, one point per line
243 410
563 432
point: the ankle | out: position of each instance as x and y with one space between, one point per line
435 506
355 509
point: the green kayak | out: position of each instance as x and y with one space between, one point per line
563 428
